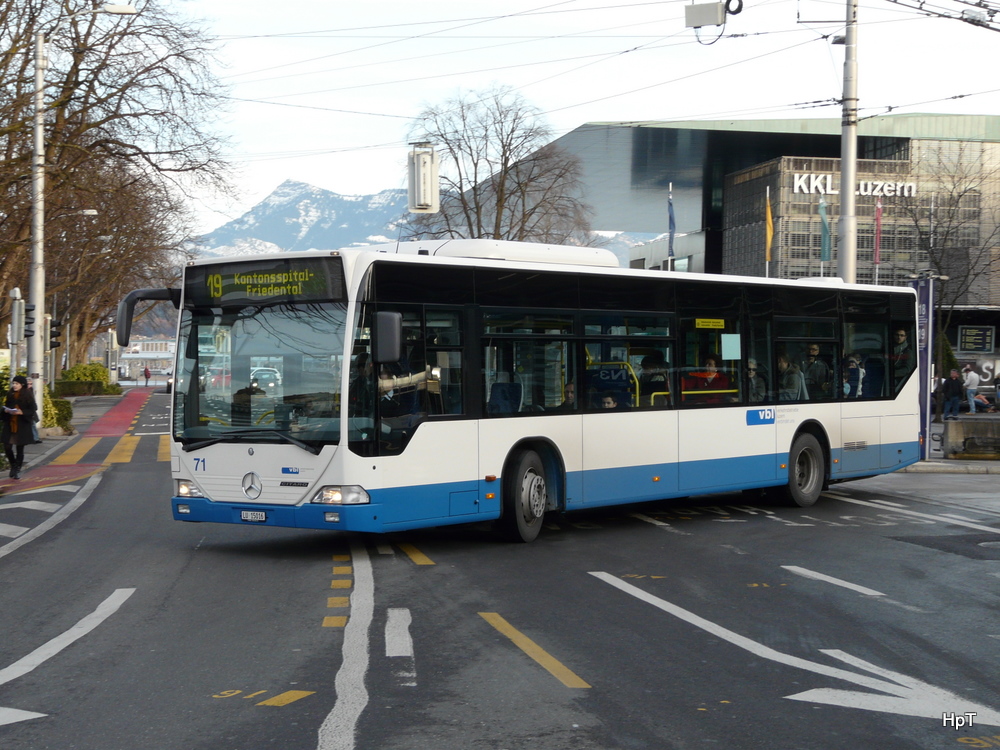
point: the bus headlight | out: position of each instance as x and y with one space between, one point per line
341 495
187 488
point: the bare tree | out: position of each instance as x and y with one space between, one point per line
956 224
500 178
129 106
132 243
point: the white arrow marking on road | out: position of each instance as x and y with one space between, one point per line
46 651
53 488
912 697
33 505
56 518
13 715
9 530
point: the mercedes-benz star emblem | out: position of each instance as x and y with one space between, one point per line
252 486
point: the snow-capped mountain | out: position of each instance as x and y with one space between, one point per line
297 216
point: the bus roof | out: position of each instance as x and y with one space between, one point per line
497 252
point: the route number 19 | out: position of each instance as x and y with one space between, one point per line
214 283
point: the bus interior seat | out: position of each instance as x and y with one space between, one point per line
874 379
505 398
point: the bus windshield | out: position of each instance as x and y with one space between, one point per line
267 373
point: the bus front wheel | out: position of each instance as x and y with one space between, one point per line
525 497
806 471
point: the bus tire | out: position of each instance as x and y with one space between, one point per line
525 498
806 471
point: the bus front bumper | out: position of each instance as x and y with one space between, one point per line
308 516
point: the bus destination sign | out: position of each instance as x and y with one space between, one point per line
265 282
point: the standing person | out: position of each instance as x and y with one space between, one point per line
952 391
792 386
902 357
971 386
146 373
19 412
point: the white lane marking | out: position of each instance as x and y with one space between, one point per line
46 651
397 633
806 573
661 524
338 729
11 531
33 505
941 518
399 647
907 696
56 518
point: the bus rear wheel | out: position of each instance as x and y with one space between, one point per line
525 498
806 471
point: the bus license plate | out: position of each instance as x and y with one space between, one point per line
256 516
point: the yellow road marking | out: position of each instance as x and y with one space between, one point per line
163 451
416 555
341 558
338 621
536 652
75 452
338 601
123 450
342 570
341 584
283 699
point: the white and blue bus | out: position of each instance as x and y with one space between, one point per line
442 382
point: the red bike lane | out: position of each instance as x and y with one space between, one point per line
115 422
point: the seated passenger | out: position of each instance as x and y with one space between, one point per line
653 386
613 400
708 385
569 399
756 388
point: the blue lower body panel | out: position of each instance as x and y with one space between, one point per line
422 506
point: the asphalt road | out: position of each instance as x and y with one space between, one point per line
869 620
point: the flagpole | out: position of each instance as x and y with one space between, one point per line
672 226
877 255
768 231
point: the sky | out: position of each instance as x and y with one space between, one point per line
326 92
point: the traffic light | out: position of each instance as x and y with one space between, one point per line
29 321
55 331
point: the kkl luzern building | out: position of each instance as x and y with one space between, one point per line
928 198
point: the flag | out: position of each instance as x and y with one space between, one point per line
672 224
768 227
878 231
824 252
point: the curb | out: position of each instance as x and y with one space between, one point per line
939 467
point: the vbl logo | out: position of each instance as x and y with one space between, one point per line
760 416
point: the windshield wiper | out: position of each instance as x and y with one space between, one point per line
314 449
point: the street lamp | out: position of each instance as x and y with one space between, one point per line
36 279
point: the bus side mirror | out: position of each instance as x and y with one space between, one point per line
388 337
